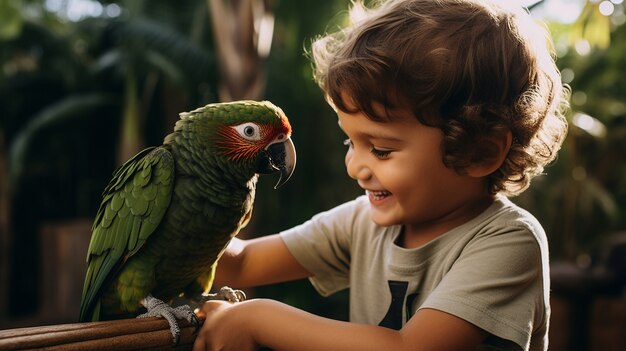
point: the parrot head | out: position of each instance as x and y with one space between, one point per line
246 137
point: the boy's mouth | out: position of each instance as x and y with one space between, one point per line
377 195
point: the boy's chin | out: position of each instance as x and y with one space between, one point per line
382 219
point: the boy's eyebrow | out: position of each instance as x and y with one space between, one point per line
374 135
382 137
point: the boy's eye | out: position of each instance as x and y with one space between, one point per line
382 154
347 142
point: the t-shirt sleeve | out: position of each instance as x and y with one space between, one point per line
496 284
322 246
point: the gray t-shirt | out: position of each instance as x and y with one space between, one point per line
492 271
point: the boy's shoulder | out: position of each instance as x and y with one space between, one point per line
504 217
506 212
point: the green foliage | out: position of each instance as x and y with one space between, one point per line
10 20
582 198
131 59
60 112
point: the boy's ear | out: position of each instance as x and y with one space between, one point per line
492 151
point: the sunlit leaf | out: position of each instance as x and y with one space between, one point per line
11 20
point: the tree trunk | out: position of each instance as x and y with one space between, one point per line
131 138
243 34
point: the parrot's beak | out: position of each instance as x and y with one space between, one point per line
279 157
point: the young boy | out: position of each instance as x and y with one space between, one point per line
449 106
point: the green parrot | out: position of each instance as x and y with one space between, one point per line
169 212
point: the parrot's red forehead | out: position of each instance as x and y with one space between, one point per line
285 124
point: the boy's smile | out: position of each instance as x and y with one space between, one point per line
377 197
399 165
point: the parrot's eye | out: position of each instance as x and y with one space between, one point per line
249 131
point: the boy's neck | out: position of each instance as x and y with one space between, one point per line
417 235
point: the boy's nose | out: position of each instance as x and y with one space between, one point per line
357 169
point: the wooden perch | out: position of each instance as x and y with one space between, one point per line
126 334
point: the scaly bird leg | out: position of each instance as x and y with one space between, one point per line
226 294
158 308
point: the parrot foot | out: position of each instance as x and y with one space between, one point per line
226 294
158 308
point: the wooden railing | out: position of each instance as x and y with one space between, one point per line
127 334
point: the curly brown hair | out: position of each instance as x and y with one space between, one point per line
471 68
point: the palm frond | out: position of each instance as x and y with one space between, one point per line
142 35
74 106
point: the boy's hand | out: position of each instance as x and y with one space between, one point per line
224 327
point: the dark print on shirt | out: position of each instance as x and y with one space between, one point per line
399 301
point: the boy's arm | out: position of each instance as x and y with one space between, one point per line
265 260
247 325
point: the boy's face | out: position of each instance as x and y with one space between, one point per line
400 166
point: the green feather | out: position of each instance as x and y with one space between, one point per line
114 235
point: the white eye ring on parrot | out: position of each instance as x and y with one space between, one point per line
249 131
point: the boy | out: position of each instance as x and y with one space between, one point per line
448 105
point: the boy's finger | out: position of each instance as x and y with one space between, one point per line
200 313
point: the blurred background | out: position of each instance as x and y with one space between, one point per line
85 84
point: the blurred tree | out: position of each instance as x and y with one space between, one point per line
243 33
18 65
583 198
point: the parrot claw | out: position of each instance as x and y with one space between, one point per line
227 294
158 308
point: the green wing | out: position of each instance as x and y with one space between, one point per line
133 205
